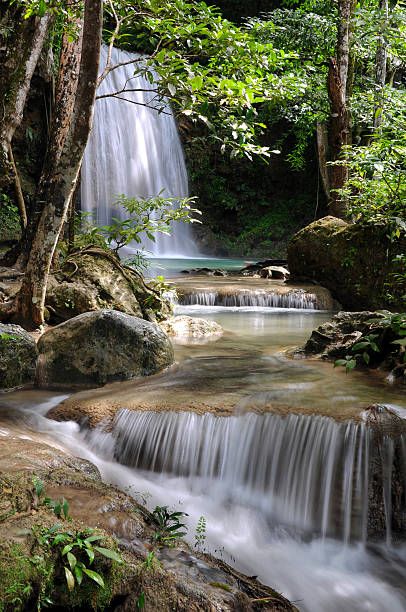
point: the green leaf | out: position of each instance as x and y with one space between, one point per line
401 342
110 554
70 580
78 573
71 560
93 538
94 576
66 549
90 554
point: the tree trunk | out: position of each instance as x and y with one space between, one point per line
65 93
380 65
18 59
322 155
62 166
338 91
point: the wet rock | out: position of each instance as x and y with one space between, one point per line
206 272
95 280
387 488
175 579
18 357
268 264
275 272
354 261
191 328
334 338
99 347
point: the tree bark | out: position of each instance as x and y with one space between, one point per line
18 58
322 155
65 93
63 163
338 91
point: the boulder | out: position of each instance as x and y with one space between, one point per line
275 272
99 347
18 357
354 261
335 340
92 280
191 329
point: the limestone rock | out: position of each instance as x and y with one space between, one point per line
353 261
275 272
94 280
18 356
184 328
99 347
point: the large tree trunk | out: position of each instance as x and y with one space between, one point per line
68 75
19 55
338 90
63 164
380 65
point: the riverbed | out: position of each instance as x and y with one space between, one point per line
265 480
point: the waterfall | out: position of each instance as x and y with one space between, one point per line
307 472
136 151
262 299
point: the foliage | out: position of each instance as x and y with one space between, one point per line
376 187
200 535
169 525
214 72
77 551
390 336
10 228
143 217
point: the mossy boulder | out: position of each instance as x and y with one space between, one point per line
94 279
18 357
354 261
99 347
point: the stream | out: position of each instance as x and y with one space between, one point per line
282 485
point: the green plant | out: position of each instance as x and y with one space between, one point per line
59 507
77 552
200 534
169 525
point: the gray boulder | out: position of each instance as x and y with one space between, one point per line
18 356
95 348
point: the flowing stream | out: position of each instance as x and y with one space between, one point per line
284 494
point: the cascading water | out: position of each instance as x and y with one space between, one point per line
134 150
241 299
309 473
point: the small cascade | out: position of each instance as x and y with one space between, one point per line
134 150
309 473
263 299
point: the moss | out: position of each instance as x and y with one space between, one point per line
221 585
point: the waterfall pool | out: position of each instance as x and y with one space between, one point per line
282 495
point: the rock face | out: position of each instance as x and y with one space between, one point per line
185 328
18 357
353 261
99 347
93 280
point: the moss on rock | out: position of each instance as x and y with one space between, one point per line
354 261
18 357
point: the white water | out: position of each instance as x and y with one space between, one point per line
136 151
253 298
318 574
265 486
